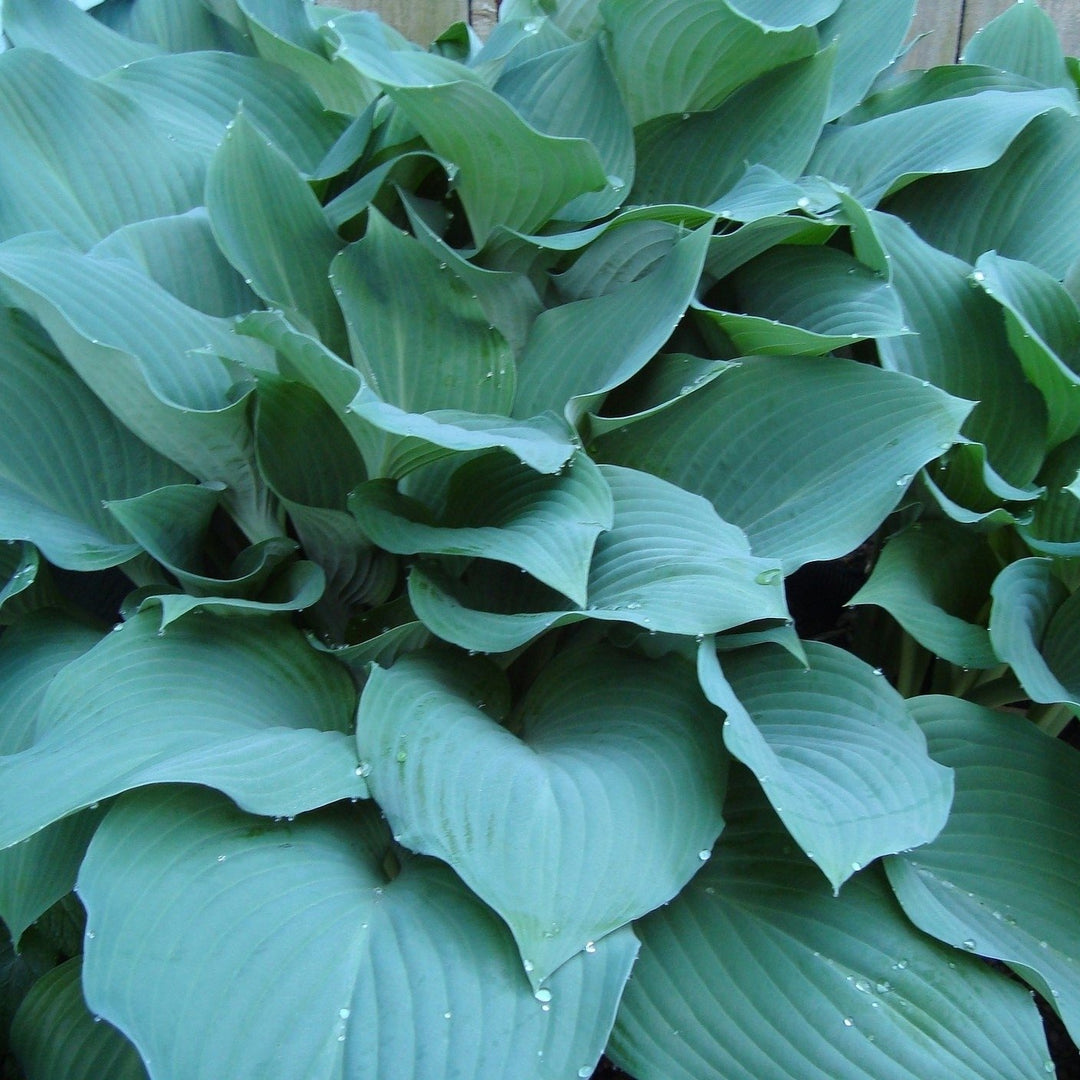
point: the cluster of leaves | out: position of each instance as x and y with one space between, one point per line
445 425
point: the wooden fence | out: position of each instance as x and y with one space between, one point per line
947 24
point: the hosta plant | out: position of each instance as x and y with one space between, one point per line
422 473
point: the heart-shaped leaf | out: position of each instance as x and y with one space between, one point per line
529 821
374 975
260 694
668 564
834 750
755 970
1002 878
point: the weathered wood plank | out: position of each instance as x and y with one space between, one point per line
419 20
940 21
1065 13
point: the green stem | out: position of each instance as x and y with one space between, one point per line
1053 719
1001 691
913 663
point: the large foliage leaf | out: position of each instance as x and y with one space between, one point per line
868 38
451 359
840 760
572 93
613 335
799 301
38 872
77 39
62 454
194 96
272 229
498 509
882 155
309 909
680 57
933 578
209 698
509 173
603 738
1033 627
71 149
55 1037
668 564
756 970
774 121
1043 324
544 443
155 362
959 344
180 254
766 446
1025 202
1002 878
1021 39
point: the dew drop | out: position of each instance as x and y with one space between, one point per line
543 994
900 965
585 1071
686 116
904 480
364 768
401 755
341 1037
221 858
804 202
1048 1066
856 866
528 965
704 854
968 943
90 934
1044 945
617 182
884 988
344 1013
862 985
97 1019
769 577
848 1022
879 672
590 946
447 1015
531 27
979 275
545 1008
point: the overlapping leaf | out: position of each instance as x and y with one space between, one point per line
800 301
934 578
335 938
840 760
681 56
272 229
1033 627
151 359
613 336
756 970
55 1037
73 149
199 704
766 445
773 122
600 810
1026 201
36 873
959 344
1002 878
63 453
668 564
880 156
498 509
1023 40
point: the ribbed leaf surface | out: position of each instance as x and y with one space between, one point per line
597 812
1002 878
397 978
